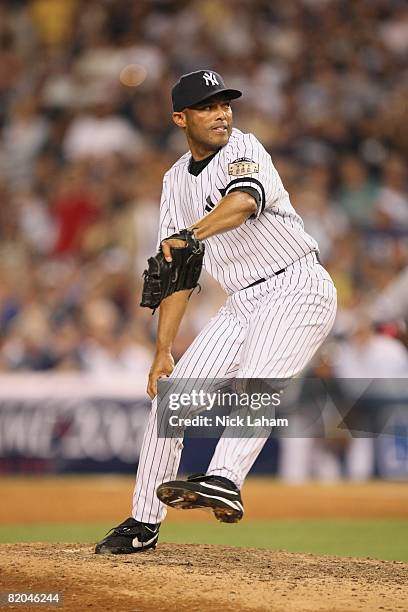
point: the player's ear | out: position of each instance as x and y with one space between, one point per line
179 119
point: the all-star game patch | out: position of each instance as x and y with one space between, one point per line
243 166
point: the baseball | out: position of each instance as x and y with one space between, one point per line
132 75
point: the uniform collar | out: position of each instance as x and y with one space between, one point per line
196 167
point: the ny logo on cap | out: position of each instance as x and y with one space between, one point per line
210 79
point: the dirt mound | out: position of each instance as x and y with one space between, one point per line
202 577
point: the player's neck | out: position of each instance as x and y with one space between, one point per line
200 152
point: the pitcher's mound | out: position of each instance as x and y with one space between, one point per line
200 578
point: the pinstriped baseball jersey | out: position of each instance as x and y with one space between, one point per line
271 240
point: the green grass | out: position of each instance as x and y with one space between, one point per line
380 539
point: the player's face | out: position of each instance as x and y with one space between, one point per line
208 125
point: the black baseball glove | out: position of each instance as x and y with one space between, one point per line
162 278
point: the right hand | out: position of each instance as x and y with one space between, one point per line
163 365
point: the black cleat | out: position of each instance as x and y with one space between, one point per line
129 537
201 491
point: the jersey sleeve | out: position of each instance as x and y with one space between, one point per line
166 225
250 169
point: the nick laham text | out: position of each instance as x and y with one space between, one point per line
227 421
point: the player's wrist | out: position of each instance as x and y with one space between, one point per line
193 230
162 350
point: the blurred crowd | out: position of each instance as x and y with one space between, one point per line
86 136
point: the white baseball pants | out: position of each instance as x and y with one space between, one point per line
271 330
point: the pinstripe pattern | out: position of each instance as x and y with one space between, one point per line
270 330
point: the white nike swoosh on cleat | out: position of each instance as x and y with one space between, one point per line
174 501
137 544
210 486
232 504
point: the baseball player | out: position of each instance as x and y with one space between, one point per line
280 307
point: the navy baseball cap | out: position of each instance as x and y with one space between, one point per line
196 87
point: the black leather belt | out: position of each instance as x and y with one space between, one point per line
262 280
